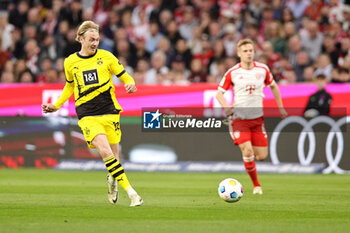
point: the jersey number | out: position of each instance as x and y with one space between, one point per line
90 77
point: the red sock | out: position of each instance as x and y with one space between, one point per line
250 167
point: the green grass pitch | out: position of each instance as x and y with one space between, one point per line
76 201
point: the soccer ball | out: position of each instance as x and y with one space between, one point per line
230 190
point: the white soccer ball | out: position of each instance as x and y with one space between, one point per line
230 190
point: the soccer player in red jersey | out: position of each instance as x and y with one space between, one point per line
248 79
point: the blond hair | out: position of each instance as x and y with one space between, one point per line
244 42
85 27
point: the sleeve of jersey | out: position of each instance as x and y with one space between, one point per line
69 76
66 94
118 69
269 78
68 88
225 83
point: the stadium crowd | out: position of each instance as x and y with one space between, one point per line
178 41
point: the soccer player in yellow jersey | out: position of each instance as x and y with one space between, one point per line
89 76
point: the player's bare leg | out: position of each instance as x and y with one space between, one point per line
111 182
260 152
249 163
115 168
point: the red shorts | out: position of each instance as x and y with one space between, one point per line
249 130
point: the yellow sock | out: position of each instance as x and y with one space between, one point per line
117 172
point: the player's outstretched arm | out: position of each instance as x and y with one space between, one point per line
277 94
66 94
129 83
220 97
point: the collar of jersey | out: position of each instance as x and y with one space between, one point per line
85 57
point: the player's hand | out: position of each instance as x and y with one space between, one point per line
229 111
283 112
48 108
130 88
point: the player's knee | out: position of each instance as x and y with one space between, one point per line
261 156
105 152
247 152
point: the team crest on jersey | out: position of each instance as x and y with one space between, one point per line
87 131
258 76
99 61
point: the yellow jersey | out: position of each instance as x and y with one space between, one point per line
93 84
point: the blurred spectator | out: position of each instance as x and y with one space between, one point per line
165 18
298 7
106 43
272 56
32 52
165 47
72 13
189 22
234 6
344 51
5 31
140 51
217 70
127 25
308 75
178 66
123 50
324 66
319 103
336 10
71 45
344 75
182 50
20 67
346 16
329 47
230 39
214 32
277 7
313 10
158 70
341 75
7 77
19 14
111 24
267 18
142 28
26 77
4 56
302 62
180 10
153 37
48 48
198 71
337 31
312 40
207 52
195 43
288 16
88 14
140 71
289 30
50 22
9 66
256 8
275 34
172 32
